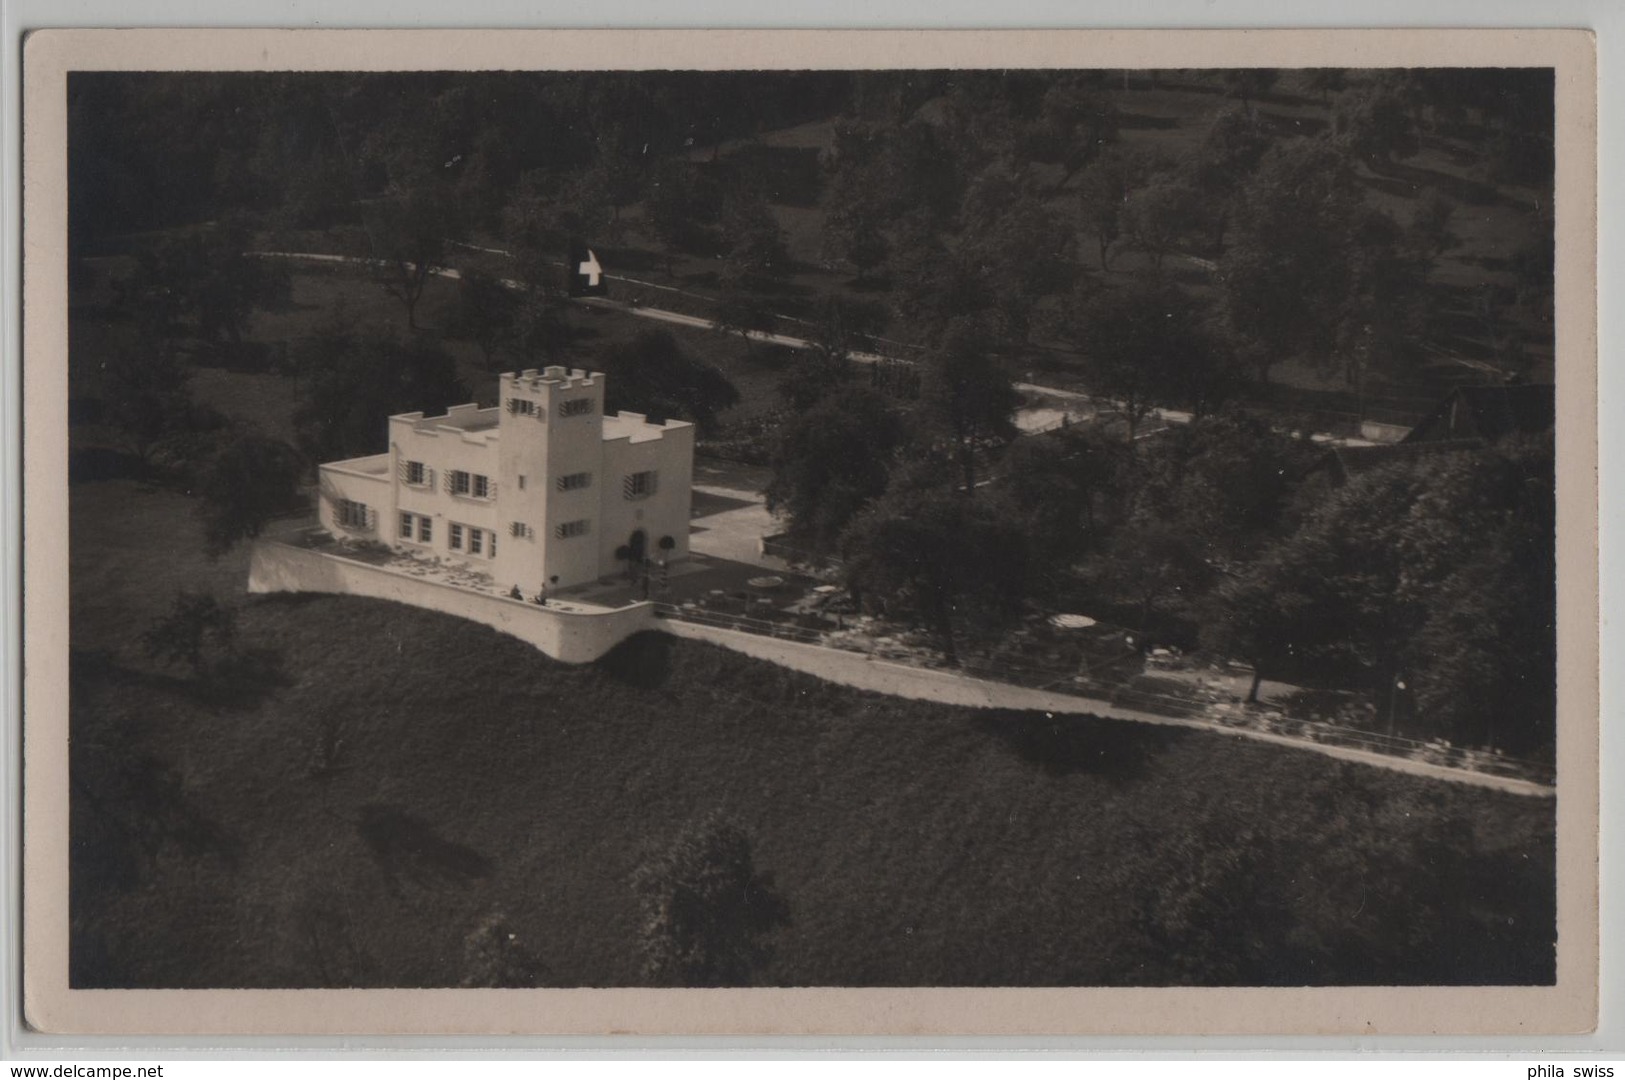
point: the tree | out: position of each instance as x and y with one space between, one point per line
1075 124
1285 278
1383 314
146 397
484 313
1106 185
708 915
1061 484
757 250
409 234
839 327
1159 217
1480 569
656 376
1222 163
1374 122
1227 481
968 394
938 555
1013 251
209 276
1147 345
679 208
930 283
545 214
1151 559
196 627
852 232
539 333
831 460
248 483
1438 573
350 385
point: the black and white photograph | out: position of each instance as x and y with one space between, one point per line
905 527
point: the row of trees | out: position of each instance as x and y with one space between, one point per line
1427 583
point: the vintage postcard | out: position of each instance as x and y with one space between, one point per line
827 532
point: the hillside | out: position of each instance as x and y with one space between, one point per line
351 816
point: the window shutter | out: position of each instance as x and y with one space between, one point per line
428 478
654 482
490 489
401 470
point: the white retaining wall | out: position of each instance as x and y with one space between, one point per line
575 637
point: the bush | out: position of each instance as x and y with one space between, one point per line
707 914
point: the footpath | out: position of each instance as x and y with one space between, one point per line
863 672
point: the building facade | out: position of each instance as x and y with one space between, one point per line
541 489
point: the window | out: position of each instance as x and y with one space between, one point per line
415 473
519 529
575 481
580 406
455 540
566 529
470 484
351 514
521 406
475 539
640 485
416 527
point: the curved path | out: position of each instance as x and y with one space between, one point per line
864 672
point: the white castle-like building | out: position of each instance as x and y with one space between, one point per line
541 490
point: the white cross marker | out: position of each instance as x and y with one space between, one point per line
590 269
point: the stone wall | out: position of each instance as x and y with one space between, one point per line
575 637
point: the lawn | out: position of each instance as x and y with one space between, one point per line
410 776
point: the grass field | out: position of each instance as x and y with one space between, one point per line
410 776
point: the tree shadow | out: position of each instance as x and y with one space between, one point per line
1062 745
127 814
642 661
408 848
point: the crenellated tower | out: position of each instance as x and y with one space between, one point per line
550 453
